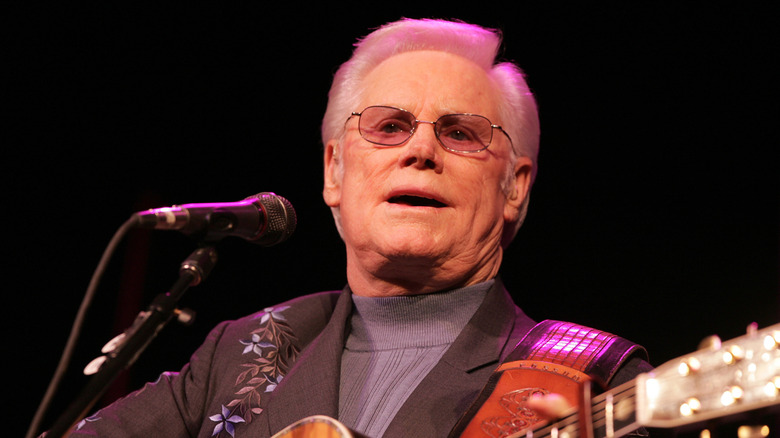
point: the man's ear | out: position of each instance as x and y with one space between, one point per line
518 190
331 191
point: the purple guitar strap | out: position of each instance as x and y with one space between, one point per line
594 352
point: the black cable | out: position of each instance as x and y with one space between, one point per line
77 325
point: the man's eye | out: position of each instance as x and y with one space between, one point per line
458 134
393 127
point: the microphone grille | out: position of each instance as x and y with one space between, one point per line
280 219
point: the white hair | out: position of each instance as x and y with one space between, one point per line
517 109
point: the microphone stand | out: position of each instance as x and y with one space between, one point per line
122 351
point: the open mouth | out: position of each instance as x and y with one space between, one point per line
416 201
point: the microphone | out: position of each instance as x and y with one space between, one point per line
264 219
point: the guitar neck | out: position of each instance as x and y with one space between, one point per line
721 381
611 414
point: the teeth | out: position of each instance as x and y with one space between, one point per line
416 201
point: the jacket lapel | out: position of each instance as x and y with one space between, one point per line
438 401
312 385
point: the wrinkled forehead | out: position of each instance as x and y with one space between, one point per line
430 84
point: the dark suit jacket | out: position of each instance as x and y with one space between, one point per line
254 376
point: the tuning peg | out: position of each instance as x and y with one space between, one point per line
743 432
731 396
690 407
710 343
771 341
688 366
734 354
753 431
772 388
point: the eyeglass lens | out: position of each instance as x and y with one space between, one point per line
393 126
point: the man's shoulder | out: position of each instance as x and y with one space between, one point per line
318 302
305 315
600 354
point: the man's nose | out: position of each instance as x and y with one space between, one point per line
422 149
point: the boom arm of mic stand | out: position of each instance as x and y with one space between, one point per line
193 270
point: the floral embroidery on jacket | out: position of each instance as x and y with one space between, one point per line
225 422
271 350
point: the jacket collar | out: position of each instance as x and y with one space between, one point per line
312 385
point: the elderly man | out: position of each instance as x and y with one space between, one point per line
429 159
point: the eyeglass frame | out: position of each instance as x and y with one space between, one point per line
417 122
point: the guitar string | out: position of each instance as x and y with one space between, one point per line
598 415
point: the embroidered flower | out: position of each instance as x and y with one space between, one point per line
255 345
272 383
226 422
273 313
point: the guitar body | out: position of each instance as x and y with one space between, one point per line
502 413
317 426
504 409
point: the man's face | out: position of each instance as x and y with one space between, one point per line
417 209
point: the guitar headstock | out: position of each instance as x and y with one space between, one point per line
723 379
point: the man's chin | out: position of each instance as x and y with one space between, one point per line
413 254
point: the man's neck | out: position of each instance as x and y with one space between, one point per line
415 277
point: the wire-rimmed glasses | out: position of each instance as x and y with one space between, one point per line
391 126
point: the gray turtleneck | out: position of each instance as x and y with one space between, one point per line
392 345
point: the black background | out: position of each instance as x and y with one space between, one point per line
654 214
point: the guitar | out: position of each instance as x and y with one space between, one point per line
319 426
723 380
